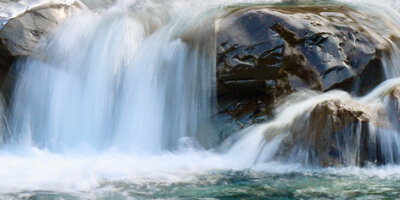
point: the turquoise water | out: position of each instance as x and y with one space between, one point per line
246 184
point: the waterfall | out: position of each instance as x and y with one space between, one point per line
382 131
360 143
128 93
121 79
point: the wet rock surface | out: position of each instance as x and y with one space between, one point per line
345 133
6 60
334 133
265 53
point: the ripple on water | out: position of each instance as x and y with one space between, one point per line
318 184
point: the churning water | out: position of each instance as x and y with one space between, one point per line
117 104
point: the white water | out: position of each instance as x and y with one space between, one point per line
109 81
126 95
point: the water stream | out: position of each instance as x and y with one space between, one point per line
118 104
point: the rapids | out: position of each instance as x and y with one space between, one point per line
118 103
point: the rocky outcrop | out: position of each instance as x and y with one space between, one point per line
21 33
333 133
344 132
21 27
265 53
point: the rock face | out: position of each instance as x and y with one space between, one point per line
20 34
334 133
265 53
6 59
345 133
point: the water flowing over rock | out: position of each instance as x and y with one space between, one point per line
394 96
22 26
343 132
121 101
141 85
329 135
265 53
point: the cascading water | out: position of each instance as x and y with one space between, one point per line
118 80
123 99
295 117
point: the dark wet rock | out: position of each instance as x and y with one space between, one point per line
6 60
266 53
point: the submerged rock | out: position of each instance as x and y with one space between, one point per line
265 53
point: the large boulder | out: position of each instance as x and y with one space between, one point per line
21 27
265 53
21 33
344 132
333 133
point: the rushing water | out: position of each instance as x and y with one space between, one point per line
117 104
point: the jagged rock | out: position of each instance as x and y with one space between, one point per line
265 53
21 33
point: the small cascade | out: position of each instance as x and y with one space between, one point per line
125 80
122 80
329 129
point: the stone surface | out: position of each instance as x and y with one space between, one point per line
21 27
21 33
6 60
330 136
265 53
345 133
